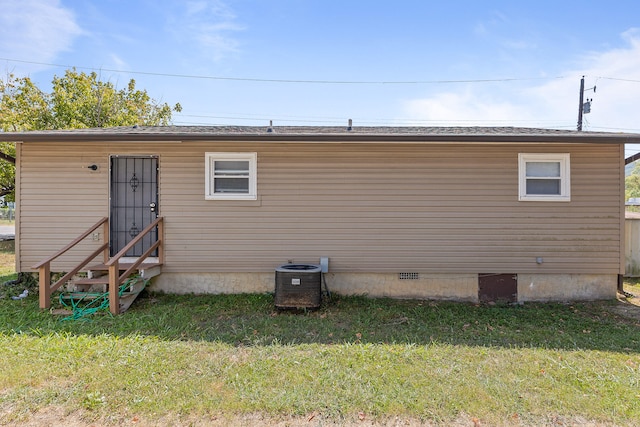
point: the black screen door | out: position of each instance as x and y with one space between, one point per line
134 201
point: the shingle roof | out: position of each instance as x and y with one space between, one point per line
320 133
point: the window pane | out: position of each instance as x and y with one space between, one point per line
543 187
231 167
231 185
543 169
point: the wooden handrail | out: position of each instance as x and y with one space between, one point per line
139 261
71 245
133 242
79 267
115 278
44 267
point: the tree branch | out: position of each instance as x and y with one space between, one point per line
7 158
7 190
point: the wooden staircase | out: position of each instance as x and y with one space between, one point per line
83 291
98 275
108 275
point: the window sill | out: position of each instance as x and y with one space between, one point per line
255 201
544 199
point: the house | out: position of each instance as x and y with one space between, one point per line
447 213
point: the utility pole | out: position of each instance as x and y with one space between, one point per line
584 107
581 102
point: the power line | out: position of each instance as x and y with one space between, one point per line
608 129
620 80
263 80
209 119
315 119
339 82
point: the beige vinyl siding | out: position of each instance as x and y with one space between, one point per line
59 199
433 208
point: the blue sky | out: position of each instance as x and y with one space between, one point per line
321 62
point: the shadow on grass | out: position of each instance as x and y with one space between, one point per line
252 320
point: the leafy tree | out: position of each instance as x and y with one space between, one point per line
23 105
7 170
632 183
78 100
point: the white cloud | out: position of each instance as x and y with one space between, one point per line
210 24
36 30
463 108
615 72
119 63
519 44
616 75
487 26
480 29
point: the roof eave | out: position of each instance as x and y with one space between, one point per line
343 138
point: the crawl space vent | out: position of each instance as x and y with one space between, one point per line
408 276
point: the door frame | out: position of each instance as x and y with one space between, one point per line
112 251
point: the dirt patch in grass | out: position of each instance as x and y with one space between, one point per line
628 304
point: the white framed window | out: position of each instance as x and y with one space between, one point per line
231 176
544 177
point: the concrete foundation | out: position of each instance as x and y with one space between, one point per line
456 287
214 283
566 287
459 287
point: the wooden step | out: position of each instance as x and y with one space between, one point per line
90 293
124 266
147 270
104 280
82 295
99 284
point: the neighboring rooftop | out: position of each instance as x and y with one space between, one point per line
319 133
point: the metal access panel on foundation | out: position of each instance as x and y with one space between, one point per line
497 287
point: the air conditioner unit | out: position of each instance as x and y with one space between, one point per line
298 286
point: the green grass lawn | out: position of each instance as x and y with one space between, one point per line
7 260
234 359
633 286
233 356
